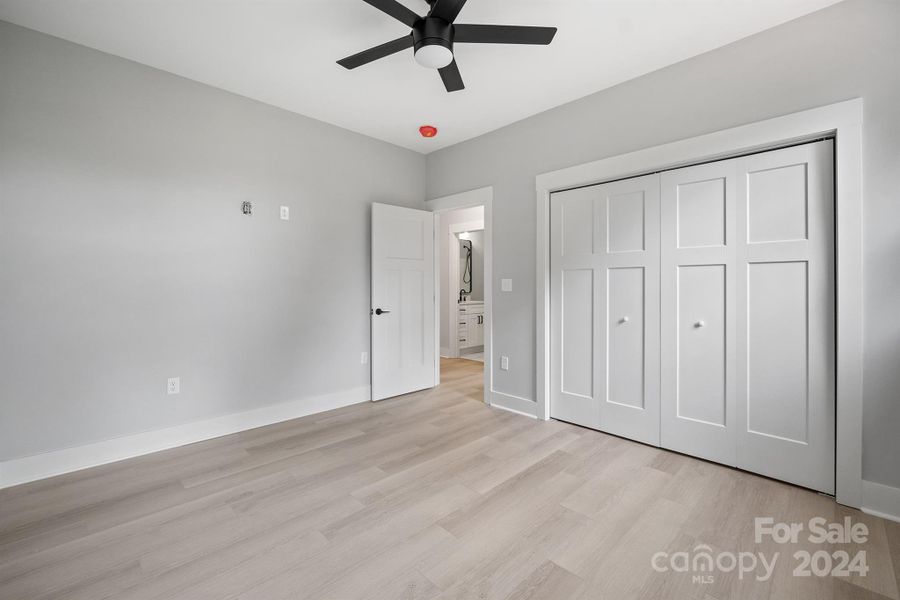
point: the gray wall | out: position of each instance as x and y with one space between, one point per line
845 51
124 258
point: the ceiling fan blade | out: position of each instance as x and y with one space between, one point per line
451 77
396 10
446 9
385 49
502 34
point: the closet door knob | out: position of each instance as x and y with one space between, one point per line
378 311
699 324
624 319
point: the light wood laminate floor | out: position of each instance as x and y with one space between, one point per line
430 495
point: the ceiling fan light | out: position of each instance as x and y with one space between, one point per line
434 56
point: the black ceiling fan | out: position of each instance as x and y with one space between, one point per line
432 37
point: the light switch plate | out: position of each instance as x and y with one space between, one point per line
506 285
504 363
285 213
364 358
174 385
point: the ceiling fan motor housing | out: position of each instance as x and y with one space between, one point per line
432 31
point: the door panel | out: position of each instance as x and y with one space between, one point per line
628 353
785 313
403 351
625 222
573 327
777 204
701 377
577 332
577 226
625 340
697 297
412 319
700 218
605 307
777 357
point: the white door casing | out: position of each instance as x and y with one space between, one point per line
403 316
842 120
605 307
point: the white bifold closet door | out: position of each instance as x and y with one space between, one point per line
695 310
747 302
605 321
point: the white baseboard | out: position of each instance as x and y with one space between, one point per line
515 404
445 352
40 466
881 500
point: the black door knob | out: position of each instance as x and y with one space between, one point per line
378 311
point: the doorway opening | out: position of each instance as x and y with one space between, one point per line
462 284
463 294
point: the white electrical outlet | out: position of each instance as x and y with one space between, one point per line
504 363
364 358
174 385
506 285
285 213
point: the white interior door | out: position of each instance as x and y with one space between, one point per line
403 319
785 315
605 307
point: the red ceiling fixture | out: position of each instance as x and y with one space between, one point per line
428 131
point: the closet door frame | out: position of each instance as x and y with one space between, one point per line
843 121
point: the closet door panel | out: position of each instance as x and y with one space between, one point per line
700 212
701 371
777 203
628 314
625 222
776 352
573 299
604 304
577 343
786 343
697 307
576 216
626 345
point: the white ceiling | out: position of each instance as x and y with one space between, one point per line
283 52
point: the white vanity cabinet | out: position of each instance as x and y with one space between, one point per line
471 324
